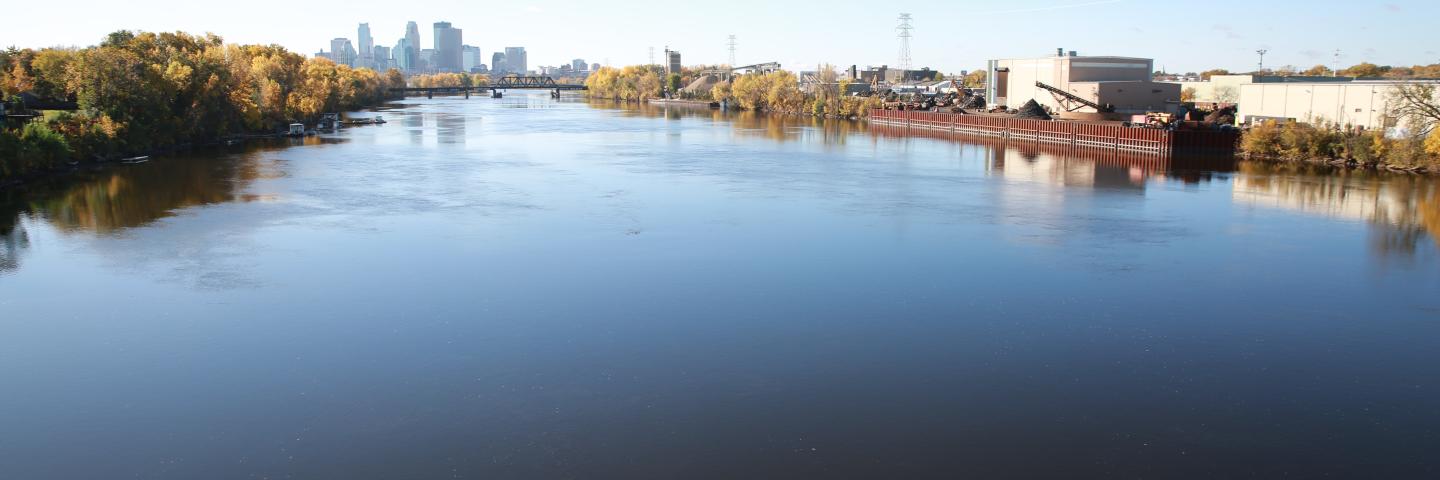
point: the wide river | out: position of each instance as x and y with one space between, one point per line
526 288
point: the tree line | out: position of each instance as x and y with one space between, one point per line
778 92
137 92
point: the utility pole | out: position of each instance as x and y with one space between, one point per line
1262 53
732 51
903 33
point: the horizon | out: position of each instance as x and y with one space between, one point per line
561 31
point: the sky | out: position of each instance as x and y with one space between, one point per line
950 36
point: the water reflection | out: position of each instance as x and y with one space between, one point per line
109 200
1404 209
749 124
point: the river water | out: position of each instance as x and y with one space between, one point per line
524 288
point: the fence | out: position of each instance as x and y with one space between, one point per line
1080 134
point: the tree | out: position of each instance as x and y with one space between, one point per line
1188 94
1226 94
1316 71
1205 75
1365 69
1418 105
976 79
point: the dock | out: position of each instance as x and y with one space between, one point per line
1102 135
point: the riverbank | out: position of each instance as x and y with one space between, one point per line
142 93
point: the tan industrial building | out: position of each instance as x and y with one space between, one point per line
1121 82
1225 89
1361 103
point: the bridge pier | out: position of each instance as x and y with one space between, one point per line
430 94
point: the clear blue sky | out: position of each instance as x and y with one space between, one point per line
1180 36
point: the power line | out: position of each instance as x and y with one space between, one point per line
903 33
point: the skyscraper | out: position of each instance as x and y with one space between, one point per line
515 60
497 64
342 52
447 48
381 56
470 58
578 64
405 56
367 48
412 35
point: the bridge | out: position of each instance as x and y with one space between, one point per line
509 82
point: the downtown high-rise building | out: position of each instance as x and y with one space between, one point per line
448 48
516 61
412 37
470 58
342 52
578 64
404 55
497 64
367 48
381 57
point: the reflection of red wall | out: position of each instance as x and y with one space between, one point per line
1148 162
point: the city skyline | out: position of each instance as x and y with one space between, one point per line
1014 29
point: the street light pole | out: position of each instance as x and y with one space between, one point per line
1262 53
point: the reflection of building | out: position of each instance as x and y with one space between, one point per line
1399 203
1121 82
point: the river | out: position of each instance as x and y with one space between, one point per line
526 288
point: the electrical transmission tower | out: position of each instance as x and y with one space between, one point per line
903 32
732 51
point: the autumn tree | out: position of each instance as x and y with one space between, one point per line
1205 75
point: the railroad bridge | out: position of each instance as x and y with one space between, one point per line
509 82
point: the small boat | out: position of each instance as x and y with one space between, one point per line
135 160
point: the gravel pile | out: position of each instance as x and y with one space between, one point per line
1031 109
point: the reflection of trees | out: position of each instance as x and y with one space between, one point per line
125 197
137 195
1404 208
13 240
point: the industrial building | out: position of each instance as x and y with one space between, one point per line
1078 85
1357 103
1225 89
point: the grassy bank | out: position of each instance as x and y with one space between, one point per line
1325 143
143 92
